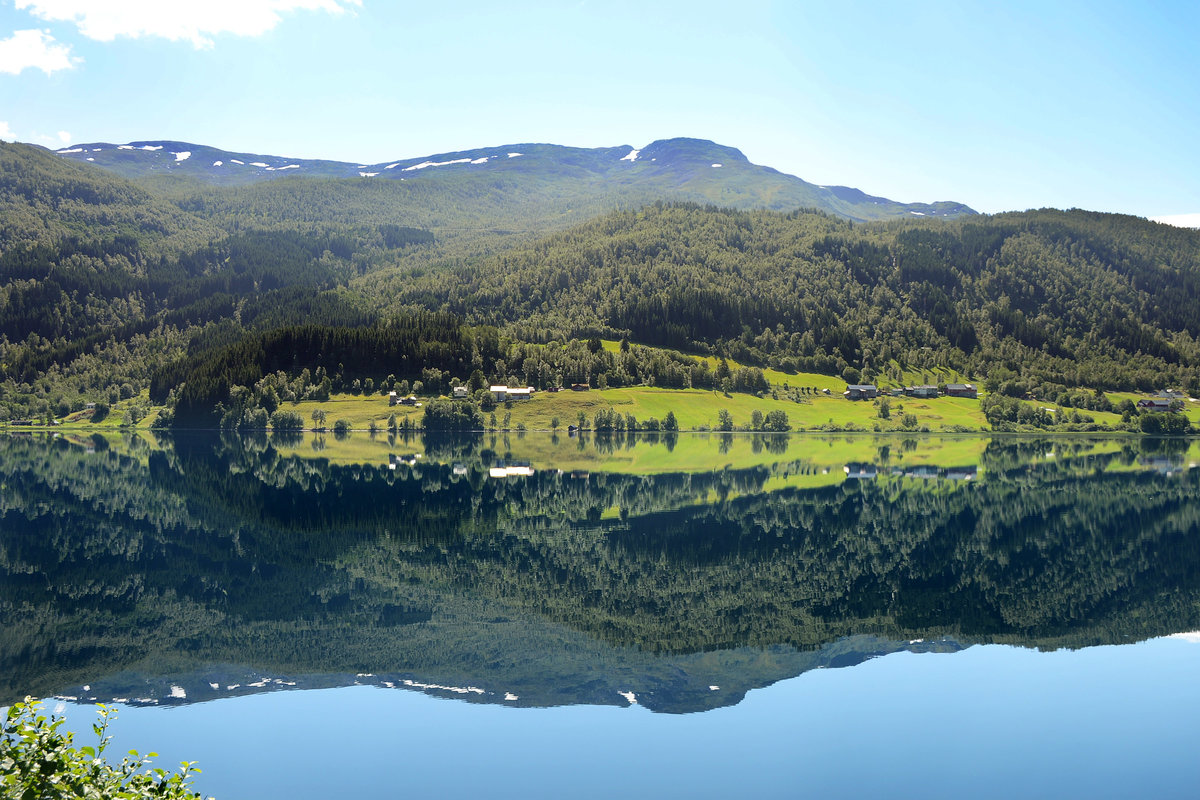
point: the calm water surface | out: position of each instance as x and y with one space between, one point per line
696 615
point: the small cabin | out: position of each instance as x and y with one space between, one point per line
861 391
961 390
504 393
460 392
924 390
580 387
1154 404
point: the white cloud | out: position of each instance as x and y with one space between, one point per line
1180 220
6 133
55 141
34 49
195 22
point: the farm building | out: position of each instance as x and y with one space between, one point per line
861 391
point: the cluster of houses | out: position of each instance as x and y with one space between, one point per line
1161 401
501 394
869 391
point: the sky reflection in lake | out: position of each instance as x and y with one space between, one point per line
990 721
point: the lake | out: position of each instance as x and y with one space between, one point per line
539 616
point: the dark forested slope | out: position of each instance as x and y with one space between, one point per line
1064 297
102 282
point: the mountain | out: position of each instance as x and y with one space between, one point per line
44 199
110 286
673 169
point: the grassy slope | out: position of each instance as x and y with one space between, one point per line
693 409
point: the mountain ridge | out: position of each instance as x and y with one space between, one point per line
676 169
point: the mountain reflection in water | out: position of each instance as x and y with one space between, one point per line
522 572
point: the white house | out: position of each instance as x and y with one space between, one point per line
503 393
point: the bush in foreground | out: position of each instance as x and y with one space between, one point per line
37 760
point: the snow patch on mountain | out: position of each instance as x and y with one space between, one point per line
72 150
632 155
367 174
218 163
258 164
514 155
235 161
425 164
151 147
182 155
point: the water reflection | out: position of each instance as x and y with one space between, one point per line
680 570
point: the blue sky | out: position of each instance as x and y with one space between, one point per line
1001 106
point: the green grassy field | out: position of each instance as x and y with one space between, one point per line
694 409
778 379
697 409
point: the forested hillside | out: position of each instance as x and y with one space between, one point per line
104 282
108 286
1043 297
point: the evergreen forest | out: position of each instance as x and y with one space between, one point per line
217 302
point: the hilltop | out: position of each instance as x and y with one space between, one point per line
676 169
